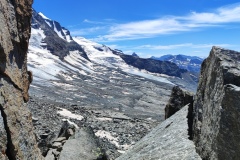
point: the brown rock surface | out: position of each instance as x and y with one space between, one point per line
216 127
17 140
14 35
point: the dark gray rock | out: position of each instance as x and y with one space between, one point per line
50 155
67 130
216 127
178 99
168 141
154 66
83 145
60 139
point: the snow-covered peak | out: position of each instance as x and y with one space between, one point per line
62 32
43 16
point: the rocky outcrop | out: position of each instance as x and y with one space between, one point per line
178 99
17 140
83 145
55 146
168 141
216 127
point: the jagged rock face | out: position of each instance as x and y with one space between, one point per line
17 140
216 127
168 141
14 35
178 99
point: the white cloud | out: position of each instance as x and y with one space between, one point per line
172 24
176 46
226 14
86 31
92 22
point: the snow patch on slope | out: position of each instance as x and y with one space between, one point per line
76 59
59 33
68 37
68 114
46 66
43 16
99 53
103 55
62 33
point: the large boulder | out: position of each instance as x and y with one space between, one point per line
216 125
17 140
83 145
168 141
178 99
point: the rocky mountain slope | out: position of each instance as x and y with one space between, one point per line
154 66
120 102
190 63
17 140
75 77
208 130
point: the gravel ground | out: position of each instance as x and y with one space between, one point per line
116 131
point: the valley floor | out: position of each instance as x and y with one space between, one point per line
116 131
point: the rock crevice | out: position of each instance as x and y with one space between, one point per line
9 147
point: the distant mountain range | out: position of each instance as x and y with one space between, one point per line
190 63
50 37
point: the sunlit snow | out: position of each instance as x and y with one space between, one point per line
43 16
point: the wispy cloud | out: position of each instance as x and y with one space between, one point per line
104 21
176 46
172 24
86 31
94 27
92 22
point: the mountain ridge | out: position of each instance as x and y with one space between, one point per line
190 63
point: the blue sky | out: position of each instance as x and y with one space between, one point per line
150 27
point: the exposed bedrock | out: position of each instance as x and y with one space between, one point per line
216 127
83 145
17 140
178 99
168 141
